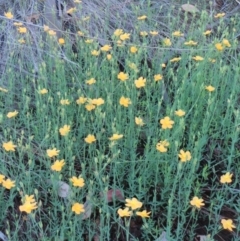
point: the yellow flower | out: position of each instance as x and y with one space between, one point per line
167 42
51 32
162 146
109 56
163 65
228 224
77 182
115 137
185 156
64 130
29 198
29 205
197 202
154 33
77 1
81 100
139 121
226 43
158 77
17 24
64 102
71 10
124 212
219 15
80 33
143 33
8 15
8 183
226 178
90 107
175 59
124 101
198 58
133 49
78 208
22 29
9 146
143 214
133 203
98 101
90 139
143 17
1 178
58 165
95 52
140 82
207 32
3 90
12 114
190 43
177 34
219 46
210 88
166 123
106 48
43 91
46 28
52 152
122 76
118 32
91 81
180 112
124 36
61 41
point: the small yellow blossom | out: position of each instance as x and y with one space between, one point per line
124 101
219 46
95 52
180 112
143 33
46 28
124 212
177 34
90 107
91 81
1 178
210 88
17 24
98 101
81 100
8 15
163 65
8 183
207 32
158 77
133 203
162 146
175 59
28 206
124 36
153 33
226 43
58 165
143 17
64 102
80 33
77 1
106 48
29 198
64 130
109 56
78 208
167 42
166 123
143 214
22 29
139 121
61 41
89 41
118 32
226 178
219 15
228 224
52 152
12 114
43 91
198 58
77 182
133 49
197 202
90 139
190 43
115 137
9 146
185 156
140 82
122 76
71 10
